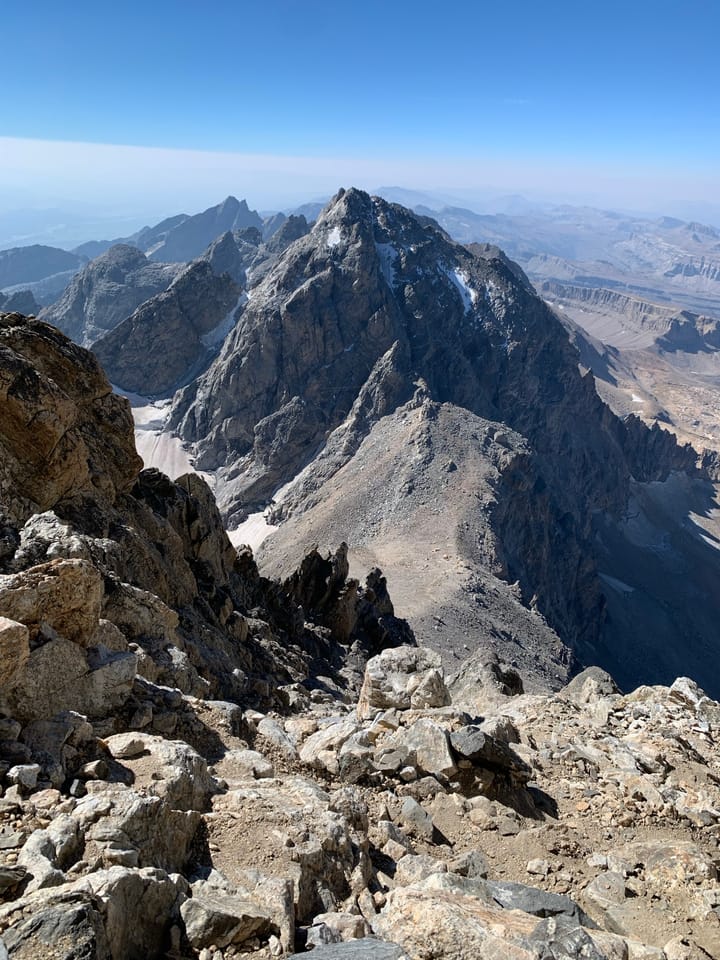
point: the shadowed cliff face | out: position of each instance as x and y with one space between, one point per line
377 311
172 333
63 433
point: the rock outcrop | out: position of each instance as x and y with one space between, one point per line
106 292
126 616
63 433
22 301
557 825
197 762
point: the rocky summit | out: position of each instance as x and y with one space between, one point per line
386 386
200 763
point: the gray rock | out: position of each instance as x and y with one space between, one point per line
364 949
391 760
336 927
224 256
562 938
138 907
472 744
25 775
472 864
429 744
540 903
415 819
11 877
189 238
107 291
183 325
607 888
272 731
321 934
72 925
591 684
34 262
179 774
214 917
414 868
137 830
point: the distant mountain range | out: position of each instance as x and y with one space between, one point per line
610 273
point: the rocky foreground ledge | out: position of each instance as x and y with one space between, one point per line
198 762
578 825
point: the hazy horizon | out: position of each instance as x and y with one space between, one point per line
119 186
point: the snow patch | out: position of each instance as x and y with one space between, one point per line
334 237
710 541
156 447
637 399
252 532
617 584
468 294
216 336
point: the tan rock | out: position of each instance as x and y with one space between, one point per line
433 920
402 678
64 594
60 675
685 948
81 439
14 652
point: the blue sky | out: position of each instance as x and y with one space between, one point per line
560 98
